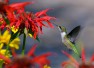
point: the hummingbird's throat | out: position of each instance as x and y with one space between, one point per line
63 34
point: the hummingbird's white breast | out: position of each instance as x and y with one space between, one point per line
63 34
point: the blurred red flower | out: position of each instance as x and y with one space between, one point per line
27 61
75 64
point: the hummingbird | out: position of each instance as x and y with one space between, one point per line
69 39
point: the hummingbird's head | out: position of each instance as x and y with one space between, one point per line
61 28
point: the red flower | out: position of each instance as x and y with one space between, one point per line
18 18
28 61
36 21
75 64
2 23
8 11
32 22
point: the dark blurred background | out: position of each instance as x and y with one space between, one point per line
69 13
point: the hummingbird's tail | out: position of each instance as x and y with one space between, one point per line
76 51
73 47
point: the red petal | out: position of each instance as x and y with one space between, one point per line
19 5
47 18
46 54
35 35
92 58
32 50
70 63
27 24
40 24
43 12
83 55
3 24
42 56
18 23
65 63
42 59
13 52
9 13
49 23
6 1
71 58
8 8
7 60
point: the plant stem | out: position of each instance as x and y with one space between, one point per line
11 39
7 48
24 44
1 64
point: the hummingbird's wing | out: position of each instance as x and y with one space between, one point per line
73 34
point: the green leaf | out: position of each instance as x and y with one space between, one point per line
33 34
7 21
14 35
37 39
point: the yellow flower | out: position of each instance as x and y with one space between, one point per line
46 66
14 29
3 51
30 35
5 38
15 43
